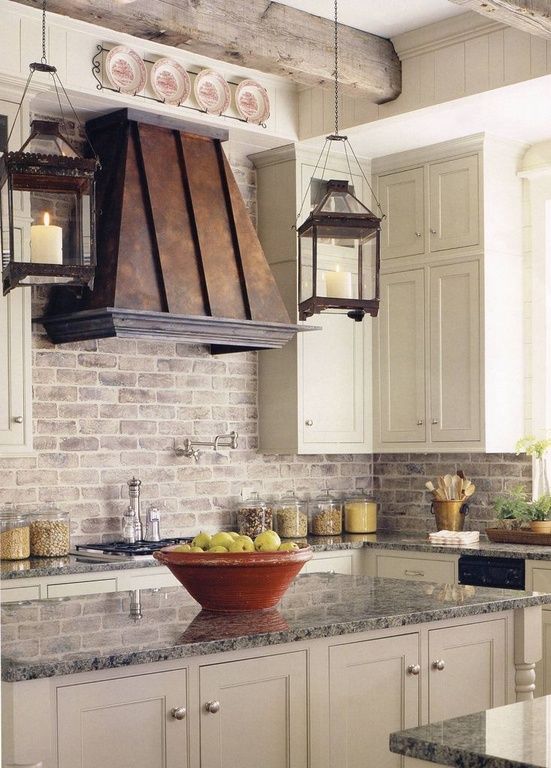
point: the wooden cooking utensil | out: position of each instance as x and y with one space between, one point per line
442 485
448 484
430 486
469 490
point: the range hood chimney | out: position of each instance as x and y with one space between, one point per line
177 254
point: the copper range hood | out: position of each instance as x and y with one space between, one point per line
177 254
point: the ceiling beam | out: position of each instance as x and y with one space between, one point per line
259 34
532 16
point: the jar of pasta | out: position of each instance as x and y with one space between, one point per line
14 536
50 533
325 516
290 518
360 514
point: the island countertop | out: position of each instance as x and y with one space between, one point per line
514 736
51 637
407 542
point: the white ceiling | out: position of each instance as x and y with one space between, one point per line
381 17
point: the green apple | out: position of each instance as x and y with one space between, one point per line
182 548
268 541
289 546
222 539
202 540
217 549
233 534
242 544
196 549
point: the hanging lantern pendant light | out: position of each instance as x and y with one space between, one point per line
49 183
339 242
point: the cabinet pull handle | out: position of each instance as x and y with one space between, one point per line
435 421
433 232
309 422
414 573
439 664
18 419
418 234
178 713
419 422
414 669
213 707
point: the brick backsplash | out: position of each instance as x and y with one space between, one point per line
399 484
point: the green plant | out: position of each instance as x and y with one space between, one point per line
513 506
541 508
532 447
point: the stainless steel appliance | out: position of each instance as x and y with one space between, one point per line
123 550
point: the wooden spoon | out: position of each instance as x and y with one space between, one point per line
448 484
469 490
442 486
458 487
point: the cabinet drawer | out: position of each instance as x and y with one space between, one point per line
415 569
15 594
81 588
341 564
541 580
147 580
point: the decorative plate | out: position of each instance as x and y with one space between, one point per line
212 92
170 81
252 102
125 70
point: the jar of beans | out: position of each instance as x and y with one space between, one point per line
14 536
290 518
325 516
50 533
254 516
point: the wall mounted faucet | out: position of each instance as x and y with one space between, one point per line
189 448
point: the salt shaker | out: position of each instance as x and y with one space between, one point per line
152 525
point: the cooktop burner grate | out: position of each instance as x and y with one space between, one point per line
123 548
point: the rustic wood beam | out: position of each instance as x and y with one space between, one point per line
260 34
532 16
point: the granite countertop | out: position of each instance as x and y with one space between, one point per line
45 638
408 542
515 736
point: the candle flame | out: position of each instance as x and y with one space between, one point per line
46 219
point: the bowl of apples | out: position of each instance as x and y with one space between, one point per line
229 572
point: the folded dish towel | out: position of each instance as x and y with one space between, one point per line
461 538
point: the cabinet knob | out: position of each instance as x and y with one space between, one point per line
18 419
213 707
439 664
178 713
433 231
414 669
435 421
419 422
418 234
309 422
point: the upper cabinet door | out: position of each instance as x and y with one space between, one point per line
455 354
402 357
333 378
402 200
454 204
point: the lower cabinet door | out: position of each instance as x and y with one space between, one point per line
373 691
123 723
467 669
254 713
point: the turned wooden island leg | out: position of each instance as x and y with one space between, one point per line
528 650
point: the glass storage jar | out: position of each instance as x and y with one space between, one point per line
14 536
360 514
254 516
290 518
50 533
325 516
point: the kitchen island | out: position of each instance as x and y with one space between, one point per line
514 736
319 682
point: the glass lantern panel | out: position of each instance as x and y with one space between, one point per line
369 269
306 287
56 232
48 144
337 263
342 202
5 249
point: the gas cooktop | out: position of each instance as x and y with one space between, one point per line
122 550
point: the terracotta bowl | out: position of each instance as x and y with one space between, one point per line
235 581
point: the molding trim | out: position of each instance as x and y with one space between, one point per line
440 151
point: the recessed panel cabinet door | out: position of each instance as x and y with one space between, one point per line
402 200
454 203
455 354
123 723
15 352
372 694
254 713
333 380
402 357
467 669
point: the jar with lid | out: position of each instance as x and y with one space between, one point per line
360 513
50 533
14 536
290 518
254 516
325 516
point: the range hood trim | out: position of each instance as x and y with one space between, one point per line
192 329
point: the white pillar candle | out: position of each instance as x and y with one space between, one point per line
339 284
46 242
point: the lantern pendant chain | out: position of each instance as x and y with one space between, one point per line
44 59
336 69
